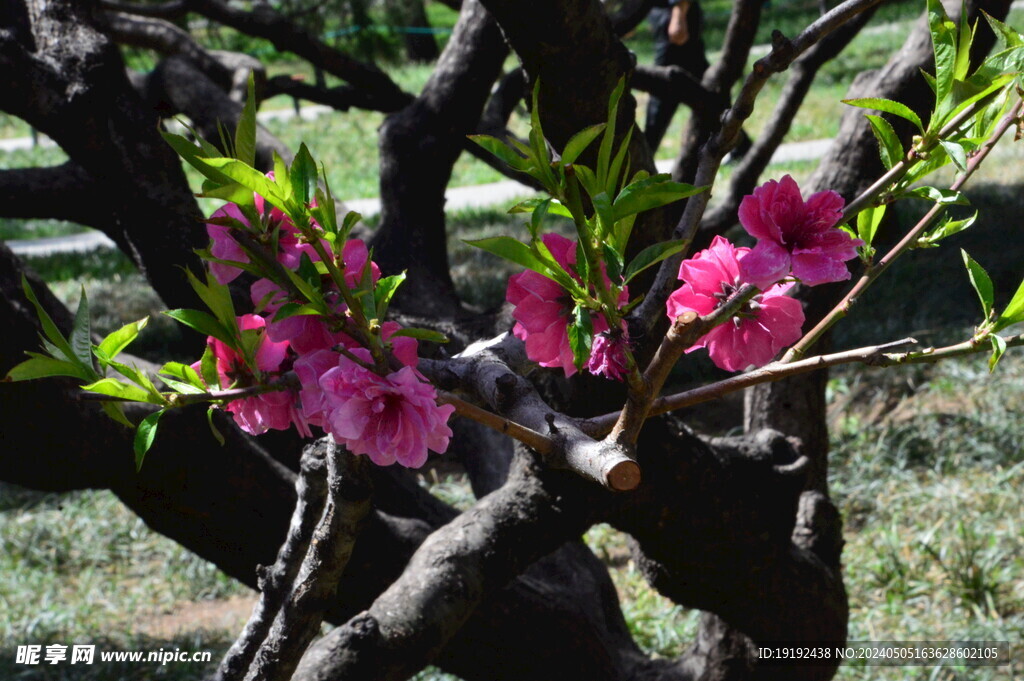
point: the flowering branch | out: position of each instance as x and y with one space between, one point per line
684 332
875 356
873 271
783 53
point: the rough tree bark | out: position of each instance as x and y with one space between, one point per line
73 88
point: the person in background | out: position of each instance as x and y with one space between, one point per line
676 26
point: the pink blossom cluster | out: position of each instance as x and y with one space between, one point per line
796 240
543 312
388 416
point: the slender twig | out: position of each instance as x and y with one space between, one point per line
542 444
913 157
684 332
875 356
842 308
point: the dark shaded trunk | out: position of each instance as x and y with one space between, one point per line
73 87
418 147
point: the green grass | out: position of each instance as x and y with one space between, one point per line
81 568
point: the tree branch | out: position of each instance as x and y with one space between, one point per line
275 581
450 574
265 22
873 271
485 372
316 583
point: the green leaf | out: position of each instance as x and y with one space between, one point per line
963 48
421 334
511 249
604 154
1008 37
581 336
981 282
195 157
998 348
139 378
540 212
117 341
183 372
245 132
613 262
578 143
115 411
868 221
50 329
208 369
217 297
121 390
303 175
144 436
248 177
944 46
615 168
502 151
295 310
582 265
945 229
213 428
41 366
956 154
941 196
350 220
1014 311
605 214
181 386
588 180
652 255
888 106
384 291
81 332
652 192
889 147
203 323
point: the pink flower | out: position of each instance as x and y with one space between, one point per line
308 333
767 324
543 310
794 235
225 247
608 356
259 413
389 418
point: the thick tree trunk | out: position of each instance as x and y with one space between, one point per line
72 86
418 147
